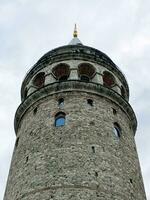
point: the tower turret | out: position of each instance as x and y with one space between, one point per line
75 130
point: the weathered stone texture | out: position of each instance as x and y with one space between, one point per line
81 160
74 54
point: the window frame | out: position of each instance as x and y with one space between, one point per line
58 116
117 130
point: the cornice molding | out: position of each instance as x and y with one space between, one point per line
70 86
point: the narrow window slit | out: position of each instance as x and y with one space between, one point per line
96 174
35 111
27 158
93 149
114 111
61 102
131 180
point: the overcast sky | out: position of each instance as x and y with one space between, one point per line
30 28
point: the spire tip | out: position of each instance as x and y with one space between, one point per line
75 33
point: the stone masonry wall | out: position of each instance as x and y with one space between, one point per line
82 160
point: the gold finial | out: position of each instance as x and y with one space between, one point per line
75 33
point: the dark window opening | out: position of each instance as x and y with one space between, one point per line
85 78
93 149
39 80
35 111
96 174
63 78
117 130
61 102
131 180
61 72
90 102
60 119
114 111
86 72
108 79
25 93
92 123
27 158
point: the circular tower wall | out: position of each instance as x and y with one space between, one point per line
75 131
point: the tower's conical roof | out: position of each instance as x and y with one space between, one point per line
75 40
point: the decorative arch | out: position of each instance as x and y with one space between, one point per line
108 79
39 80
61 71
86 71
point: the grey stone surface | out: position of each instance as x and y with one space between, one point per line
84 159
74 54
60 163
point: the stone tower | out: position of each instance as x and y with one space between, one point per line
75 130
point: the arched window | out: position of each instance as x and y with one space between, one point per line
61 102
39 80
61 72
108 79
117 130
60 119
86 72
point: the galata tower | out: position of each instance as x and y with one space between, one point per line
75 130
